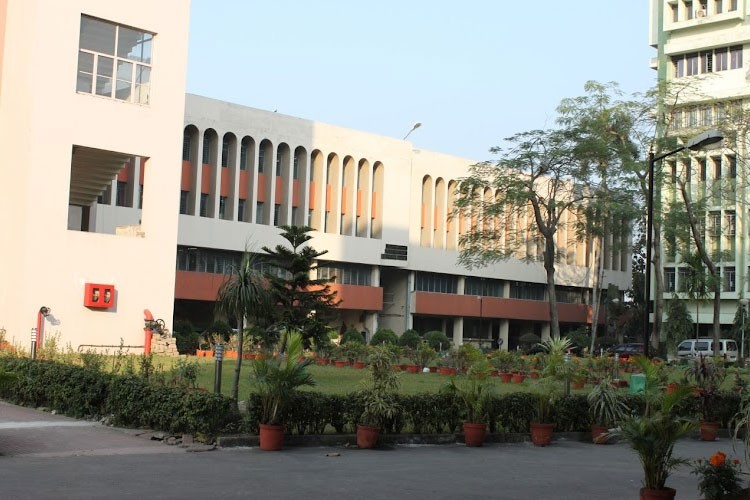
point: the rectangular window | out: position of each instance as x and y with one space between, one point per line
224 153
114 61
295 212
688 4
436 283
243 157
732 5
276 213
241 203
204 205
345 273
691 61
669 279
484 287
675 13
677 115
261 160
721 59
714 224
735 57
295 168
184 197
692 117
730 221
259 212
702 169
187 140
527 291
121 199
729 278
222 207
718 6
678 62
707 62
707 116
682 279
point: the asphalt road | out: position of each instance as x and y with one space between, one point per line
49 456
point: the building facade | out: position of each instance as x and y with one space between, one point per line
701 56
127 195
381 210
85 88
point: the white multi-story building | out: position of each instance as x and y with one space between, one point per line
701 55
100 202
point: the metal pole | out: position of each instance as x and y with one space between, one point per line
34 332
218 356
649 244
567 373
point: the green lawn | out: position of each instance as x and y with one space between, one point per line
331 380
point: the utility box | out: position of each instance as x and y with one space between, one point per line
637 383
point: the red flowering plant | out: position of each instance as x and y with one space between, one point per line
719 477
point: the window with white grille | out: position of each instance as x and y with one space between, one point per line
114 61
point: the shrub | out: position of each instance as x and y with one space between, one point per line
384 336
352 335
410 338
185 336
437 340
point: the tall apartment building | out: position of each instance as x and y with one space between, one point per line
103 218
701 48
85 87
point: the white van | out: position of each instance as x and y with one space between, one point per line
693 348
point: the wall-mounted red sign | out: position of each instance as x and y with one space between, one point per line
99 295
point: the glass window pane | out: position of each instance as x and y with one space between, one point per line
134 45
97 36
146 48
85 72
104 69
105 66
124 71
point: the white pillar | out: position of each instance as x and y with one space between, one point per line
504 326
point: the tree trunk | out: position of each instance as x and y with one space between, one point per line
598 267
549 267
238 363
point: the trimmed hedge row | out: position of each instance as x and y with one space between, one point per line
131 400
135 402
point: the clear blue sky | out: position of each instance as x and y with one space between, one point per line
473 72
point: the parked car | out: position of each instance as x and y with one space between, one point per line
704 346
626 350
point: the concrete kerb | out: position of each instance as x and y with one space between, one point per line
350 440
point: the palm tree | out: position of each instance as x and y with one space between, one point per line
242 296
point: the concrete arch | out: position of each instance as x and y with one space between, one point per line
348 190
283 184
378 185
428 197
363 205
264 190
317 190
333 193
300 183
440 213
451 237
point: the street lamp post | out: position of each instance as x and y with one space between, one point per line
698 142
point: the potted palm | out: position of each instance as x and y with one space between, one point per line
653 434
546 390
474 393
708 375
276 379
606 407
379 397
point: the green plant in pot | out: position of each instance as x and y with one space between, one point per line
653 434
379 396
606 407
425 354
474 392
546 391
708 374
276 379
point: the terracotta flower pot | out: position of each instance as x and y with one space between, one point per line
541 434
433 369
671 388
578 384
340 363
505 378
412 368
367 436
709 430
665 494
271 437
599 434
517 378
359 365
321 361
474 434
535 375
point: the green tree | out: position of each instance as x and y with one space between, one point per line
679 324
551 176
243 296
303 304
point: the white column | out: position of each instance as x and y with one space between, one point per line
504 326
